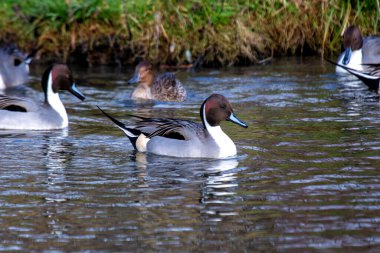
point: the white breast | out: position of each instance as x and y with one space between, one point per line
226 145
355 62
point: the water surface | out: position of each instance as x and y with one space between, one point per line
306 177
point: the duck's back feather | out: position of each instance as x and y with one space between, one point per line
167 88
371 50
170 128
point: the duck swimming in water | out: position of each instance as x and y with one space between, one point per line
184 138
20 113
358 51
164 87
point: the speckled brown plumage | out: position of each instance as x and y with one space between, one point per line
164 87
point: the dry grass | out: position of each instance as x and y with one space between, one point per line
215 32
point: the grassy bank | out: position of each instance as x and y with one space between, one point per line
214 32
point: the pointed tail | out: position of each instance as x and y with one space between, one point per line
131 133
370 80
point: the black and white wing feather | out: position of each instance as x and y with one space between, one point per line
169 128
17 104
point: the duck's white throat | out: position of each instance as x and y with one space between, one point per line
355 62
55 102
226 145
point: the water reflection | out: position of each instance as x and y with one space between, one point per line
57 157
219 189
217 180
306 179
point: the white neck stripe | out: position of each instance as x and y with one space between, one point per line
2 84
225 144
55 102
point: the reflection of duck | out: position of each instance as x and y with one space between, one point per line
55 150
218 174
20 113
183 138
164 87
218 190
14 67
57 158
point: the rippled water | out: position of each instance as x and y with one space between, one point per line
306 178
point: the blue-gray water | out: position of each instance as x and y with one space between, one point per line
306 178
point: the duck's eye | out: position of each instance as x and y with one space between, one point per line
17 62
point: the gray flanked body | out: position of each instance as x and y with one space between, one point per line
196 142
20 113
183 138
164 87
14 67
206 147
371 50
38 117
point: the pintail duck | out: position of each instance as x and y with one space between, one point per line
20 113
14 67
358 51
164 87
183 138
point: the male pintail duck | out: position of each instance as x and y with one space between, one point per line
164 87
183 138
358 51
14 67
20 113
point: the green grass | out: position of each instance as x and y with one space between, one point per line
216 32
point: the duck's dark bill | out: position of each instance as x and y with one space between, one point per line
135 79
74 90
237 121
347 56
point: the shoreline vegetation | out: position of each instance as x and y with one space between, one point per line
181 33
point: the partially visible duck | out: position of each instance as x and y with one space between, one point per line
14 67
164 87
370 78
20 113
183 138
358 51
